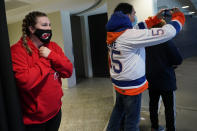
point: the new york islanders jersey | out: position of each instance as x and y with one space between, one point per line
127 53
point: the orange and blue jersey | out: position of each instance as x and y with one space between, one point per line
126 49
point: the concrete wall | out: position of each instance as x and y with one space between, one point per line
86 46
186 39
15 32
144 8
68 44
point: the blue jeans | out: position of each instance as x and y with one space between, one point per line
127 109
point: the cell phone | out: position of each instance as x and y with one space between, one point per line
167 13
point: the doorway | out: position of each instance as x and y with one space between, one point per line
98 45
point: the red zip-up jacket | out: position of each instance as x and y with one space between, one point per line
39 80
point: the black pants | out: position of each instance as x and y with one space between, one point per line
51 125
169 104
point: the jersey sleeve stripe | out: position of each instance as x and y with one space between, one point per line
176 25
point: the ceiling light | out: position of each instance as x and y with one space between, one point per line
184 7
191 12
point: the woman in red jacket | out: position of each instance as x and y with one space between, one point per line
38 66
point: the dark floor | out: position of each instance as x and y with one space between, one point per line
87 106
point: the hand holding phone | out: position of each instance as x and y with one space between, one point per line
167 12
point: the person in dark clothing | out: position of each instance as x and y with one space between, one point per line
161 60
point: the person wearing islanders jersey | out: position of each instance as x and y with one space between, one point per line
126 44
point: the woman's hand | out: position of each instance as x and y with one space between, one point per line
44 51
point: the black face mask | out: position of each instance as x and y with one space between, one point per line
43 35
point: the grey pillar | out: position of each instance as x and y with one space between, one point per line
86 46
68 44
